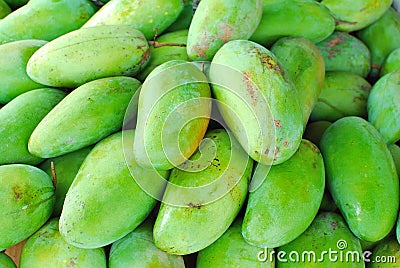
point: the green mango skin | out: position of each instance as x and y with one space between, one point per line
315 130
344 94
186 229
303 63
231 21
281 194
92 220
47 248
27 195
184 19
172 94
383 106
305 18
4 9
357 14
66 167
137 249
395 151
88 54
323 235
251 71
14 80
170 46
45 19
392 62
151 17
88 114
356 159
231 250
386 254
381 37
16 3
18 120
5 261
344 52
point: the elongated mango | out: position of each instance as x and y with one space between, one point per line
391 63
361 176
230 21
88 114
88 54
151 17
27 198
92 220
18 120
6 261
257 101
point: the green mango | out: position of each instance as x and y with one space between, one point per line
343 94
151 17
383 106
204 195
386 254
88 114
395 151
184 19
328 242
282 194
381 37
16 3
4 9
303 63
88 54
104 202
315 130
65 168
27 198
14 57
344 52
231 250
327 203
356 14
170 46
361 176
137 249
47 248
18 120
257 101
391 63
230 21
5 261
173 114
45 19
305 18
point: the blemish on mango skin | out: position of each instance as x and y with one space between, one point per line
250 87
336 41
17 192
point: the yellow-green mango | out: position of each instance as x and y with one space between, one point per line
386 254
65 168
47 248
384 106
395 151
137 249
104 202
203 199
184 19
257 101
361 176
45 19
18 120
231 250
170 46
315 130
27 198
344 52
343 94
356 14
88 54
13 78
87 115
381 37
151 17
173 114
303 63
4 9
305 18
282 193
391 63
217 22
6 261
328 242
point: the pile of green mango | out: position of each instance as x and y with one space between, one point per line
199 133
